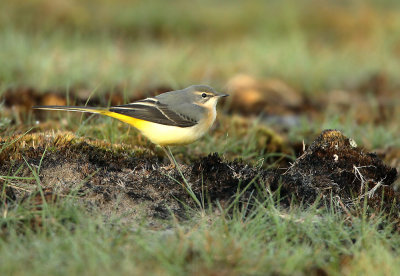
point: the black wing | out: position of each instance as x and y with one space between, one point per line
152 110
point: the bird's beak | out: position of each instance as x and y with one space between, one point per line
222 95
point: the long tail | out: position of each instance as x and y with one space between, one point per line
100 110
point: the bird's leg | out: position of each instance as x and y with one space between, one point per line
171 159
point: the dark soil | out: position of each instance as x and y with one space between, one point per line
335 167
135 183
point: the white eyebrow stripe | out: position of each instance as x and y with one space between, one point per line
210 94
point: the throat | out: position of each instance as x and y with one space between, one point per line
210 118
210 114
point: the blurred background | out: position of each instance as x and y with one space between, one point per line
298 66
314 45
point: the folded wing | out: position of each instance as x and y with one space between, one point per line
152 110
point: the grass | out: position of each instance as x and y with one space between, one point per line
269 240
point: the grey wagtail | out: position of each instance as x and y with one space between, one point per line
172 118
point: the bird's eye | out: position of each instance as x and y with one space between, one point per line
204 95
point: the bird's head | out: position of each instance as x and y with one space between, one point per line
204 95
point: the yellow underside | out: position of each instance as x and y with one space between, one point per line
137 123
162 135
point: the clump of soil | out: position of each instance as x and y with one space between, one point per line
334 166
133 182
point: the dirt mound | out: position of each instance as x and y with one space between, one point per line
334 166
118 179
133 182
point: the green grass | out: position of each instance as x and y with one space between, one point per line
268 240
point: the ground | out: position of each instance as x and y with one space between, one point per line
299 174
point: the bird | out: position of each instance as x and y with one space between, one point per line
172 118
